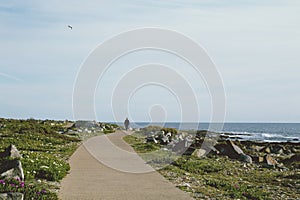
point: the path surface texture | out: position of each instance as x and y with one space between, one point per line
105 167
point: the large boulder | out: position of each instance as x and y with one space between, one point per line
266 149
269 161
229 149
180 146
233 151
10 165
245 158
294 158
199 153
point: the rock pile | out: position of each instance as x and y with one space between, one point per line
269 155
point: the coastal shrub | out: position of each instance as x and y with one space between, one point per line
237 190
149 130
199 166
170 130
107 131
130 139
145 147
154 129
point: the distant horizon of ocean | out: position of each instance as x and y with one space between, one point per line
268 132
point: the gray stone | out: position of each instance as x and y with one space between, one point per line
266 149
294 158
229 149
179 146
246 158
11 152
269 162
12 169
236 148
199 153
12 196
257 148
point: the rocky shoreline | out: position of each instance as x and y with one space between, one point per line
269 154
224 168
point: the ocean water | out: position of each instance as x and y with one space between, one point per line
270 132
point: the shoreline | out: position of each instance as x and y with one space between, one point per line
225 169
265 132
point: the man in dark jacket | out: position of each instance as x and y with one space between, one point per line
126 123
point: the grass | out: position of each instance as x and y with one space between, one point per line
222 178
45 153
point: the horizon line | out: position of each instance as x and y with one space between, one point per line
108 121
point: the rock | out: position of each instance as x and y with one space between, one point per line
236 148
266 150
294 150
261 159
199 153
179 146
12 169
11 152
165 139
233 151
294 158
277 149
151 139
184 185
12 196
246 158
257 148
229 149
269 161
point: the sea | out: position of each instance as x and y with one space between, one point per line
267 132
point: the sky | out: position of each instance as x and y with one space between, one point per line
254 44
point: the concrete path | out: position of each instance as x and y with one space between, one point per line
99 170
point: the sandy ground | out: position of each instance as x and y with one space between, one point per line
106 167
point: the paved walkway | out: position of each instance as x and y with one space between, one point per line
99 170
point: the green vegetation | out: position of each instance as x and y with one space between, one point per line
139 145
45 151
218 177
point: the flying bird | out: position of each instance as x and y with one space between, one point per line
70 27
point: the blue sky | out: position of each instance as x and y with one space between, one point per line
255 45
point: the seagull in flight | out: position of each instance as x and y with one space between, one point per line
70 27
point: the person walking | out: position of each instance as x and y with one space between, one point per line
126 123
